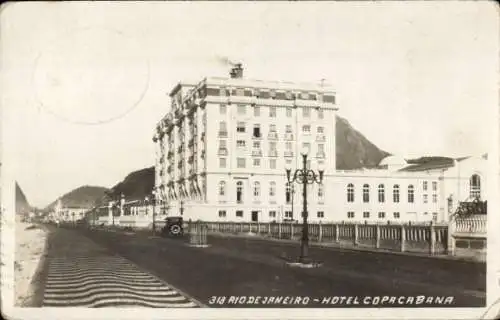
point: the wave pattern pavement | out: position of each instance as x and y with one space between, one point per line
78 280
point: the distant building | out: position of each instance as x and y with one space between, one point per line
62 213
223 145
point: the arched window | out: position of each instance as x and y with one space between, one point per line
272 189
475 186
222 188
381 193
288 193
350 192
366 193
239 192
256 189
395 193
411 194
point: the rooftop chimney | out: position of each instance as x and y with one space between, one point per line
236 71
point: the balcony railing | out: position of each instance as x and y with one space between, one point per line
288 136
272 136
180 149
170 154
321 138
320 155
222 134
257 153
202 138
288 153
222 152
257 137
273 153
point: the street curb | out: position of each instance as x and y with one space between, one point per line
334 246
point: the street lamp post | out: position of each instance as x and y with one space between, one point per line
304 176
182 208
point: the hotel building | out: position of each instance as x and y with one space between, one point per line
223 146
222 150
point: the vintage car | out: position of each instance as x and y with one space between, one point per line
173 227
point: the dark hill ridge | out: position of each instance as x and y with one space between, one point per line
22 204
136 185
354 150
82 197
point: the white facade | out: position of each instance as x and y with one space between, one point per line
222 150
223 147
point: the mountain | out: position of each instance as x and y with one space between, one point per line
136 185
22 205
82 197
354 150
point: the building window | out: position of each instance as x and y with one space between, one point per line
321 114
411 194
256 189
272 189
306 128
240 127
242 109
350 214
239 213
241 162
475 186
222 127
306 112
366 214
366 193
239 192
381 215
272 214
272 163
256 144
424 185
272 146
321 193
222 213
272 112
288 146
321 214
320 130
256 162
321 148
222 109
381 193
434 185
288 215
288 161
288 128
396 215
222 188
288 193
256 131
395 194
222 92
288 112
256 111
434 217
306 146
240 143
425 198
434 198
222 162
350 192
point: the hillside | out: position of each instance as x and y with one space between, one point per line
354 150
136 185
82 197
22 204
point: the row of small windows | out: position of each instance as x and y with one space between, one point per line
381 194
257 132
241 163
273 111
272 214
382 215
266 93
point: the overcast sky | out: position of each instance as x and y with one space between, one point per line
83 84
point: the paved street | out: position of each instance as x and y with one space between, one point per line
81 273
239 267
